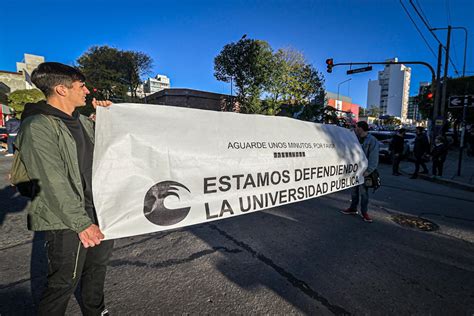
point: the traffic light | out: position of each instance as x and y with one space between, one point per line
330 63
429 96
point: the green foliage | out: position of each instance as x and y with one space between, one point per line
248 64
373 111
393 121
284 78
113 72
293 82
17 99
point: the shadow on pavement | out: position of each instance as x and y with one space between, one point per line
10 202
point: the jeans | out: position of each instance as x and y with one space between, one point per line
69 261
10 140
419 162
397 158
438 167
364 198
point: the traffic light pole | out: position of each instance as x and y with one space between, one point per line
433 78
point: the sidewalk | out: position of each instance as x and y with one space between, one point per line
450 171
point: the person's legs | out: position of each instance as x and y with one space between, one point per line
364 197
65 259
396 164
355 197
440 168
10 141
417 166
93 278
364 205
434 167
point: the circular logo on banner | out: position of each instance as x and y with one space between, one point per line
154 205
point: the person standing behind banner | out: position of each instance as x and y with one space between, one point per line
56 144
438 154
12 126
421 150
397 145
370 146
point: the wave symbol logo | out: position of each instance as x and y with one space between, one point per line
154 205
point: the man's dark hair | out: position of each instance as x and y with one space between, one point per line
402 131
363 125
420 129
50 74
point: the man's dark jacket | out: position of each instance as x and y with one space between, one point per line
397 144
422 145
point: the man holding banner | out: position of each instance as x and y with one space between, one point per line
370 147
55 146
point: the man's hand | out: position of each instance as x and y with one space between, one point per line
96 103
91 236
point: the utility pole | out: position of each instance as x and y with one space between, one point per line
436 104
445 77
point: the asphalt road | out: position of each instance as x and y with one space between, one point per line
304 258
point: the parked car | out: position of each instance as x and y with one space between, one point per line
384 138
409 144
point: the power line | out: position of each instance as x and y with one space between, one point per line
432 33
419 31
448 14
422 12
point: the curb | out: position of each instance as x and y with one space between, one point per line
444 181
448 182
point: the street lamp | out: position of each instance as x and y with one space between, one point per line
340 83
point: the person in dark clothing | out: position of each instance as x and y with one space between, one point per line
12 126
397 146
421 149
469 141
438 154
56 146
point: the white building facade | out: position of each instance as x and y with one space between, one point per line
152 85
391 91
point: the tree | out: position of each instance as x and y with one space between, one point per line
248 64
113 72
17 99
374 111
293 82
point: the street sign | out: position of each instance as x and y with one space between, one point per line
458 101
355 71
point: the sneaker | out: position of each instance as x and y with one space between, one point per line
349 211
366 218
9 155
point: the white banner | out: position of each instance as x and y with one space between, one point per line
162 167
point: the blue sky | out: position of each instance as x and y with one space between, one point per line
183 37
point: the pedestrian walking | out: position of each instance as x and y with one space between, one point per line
421 151
370 146
397 146
438 154
56 145
12 126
